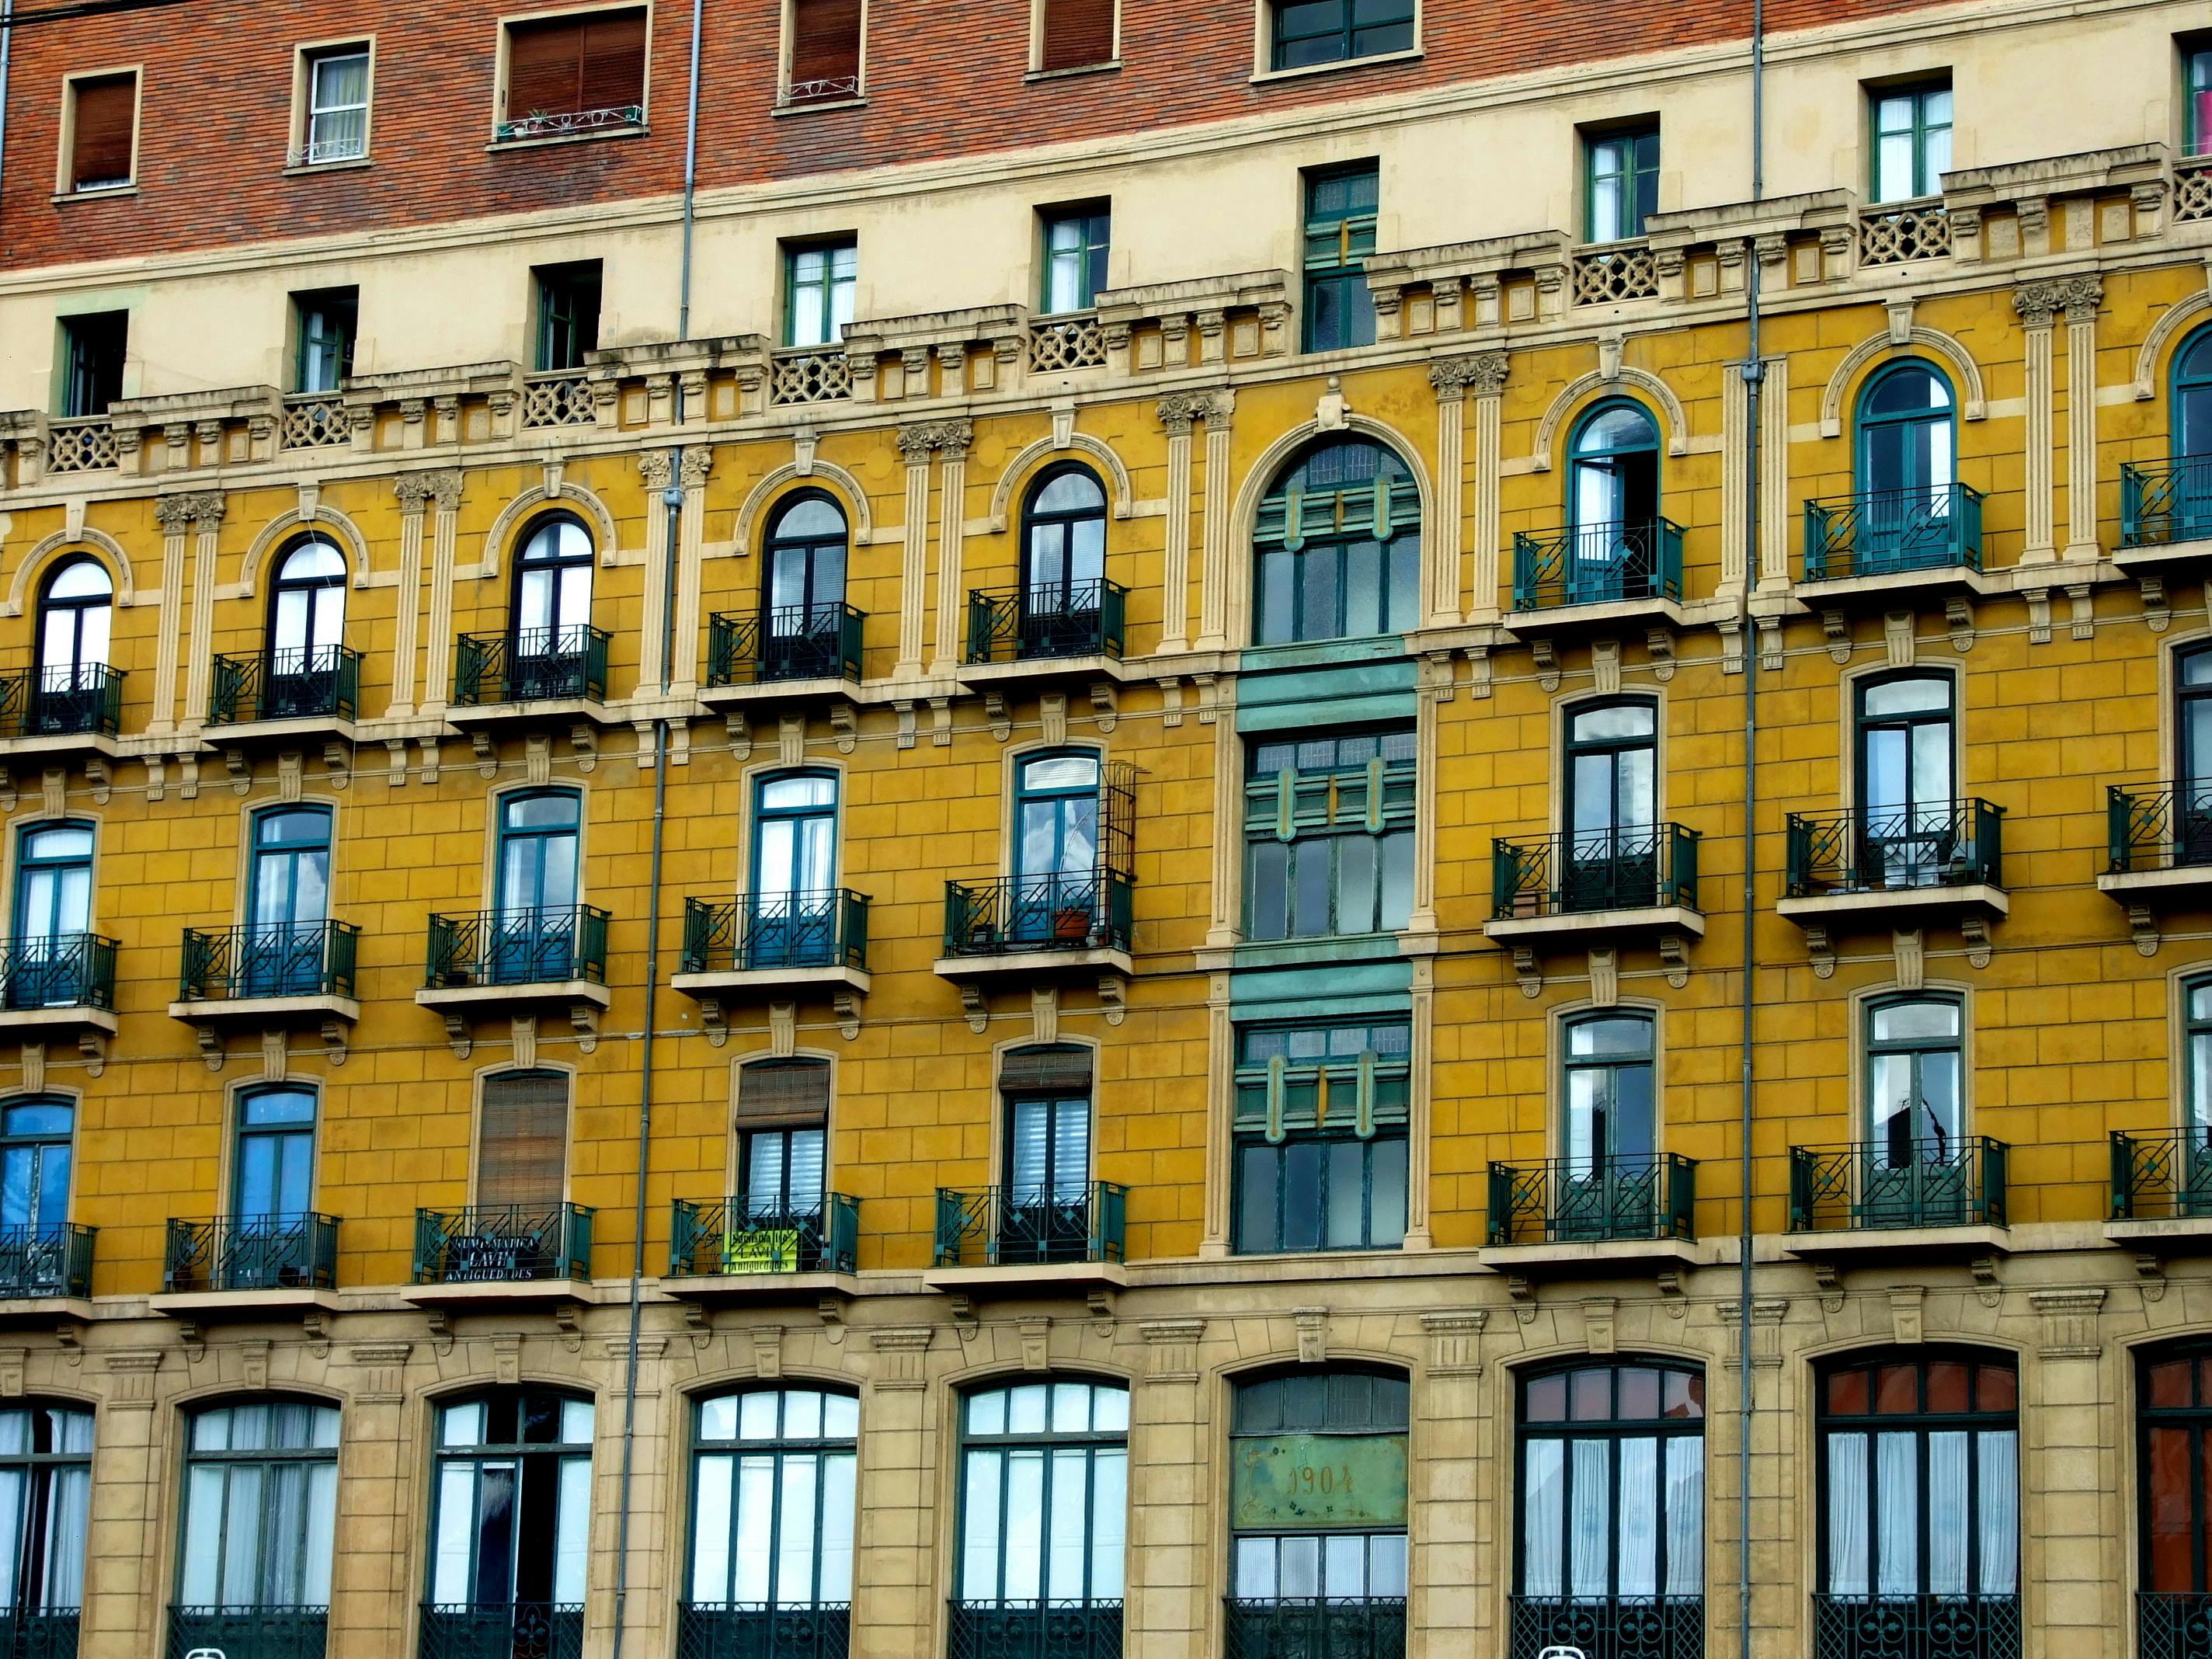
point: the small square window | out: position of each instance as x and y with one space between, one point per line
93 349
1622 186
575 75
1306 33
1075 34
818 282
1912 128
334 116
1076 243
325 323
568 315
824 65
103 132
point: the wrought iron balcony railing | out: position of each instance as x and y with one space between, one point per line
738 1236
2173 1625
320 682
294 1252
2165 502
502 1630
62 703
518 947
1003 1226
1597 564
2162 1175
246 1633
1588 870
68 970
1303 1628
1038 624
1034 1630
1947 1182
289 959
495 1244
752 1631
1609 1626
27 1634
45 1259
827 929
536 664
1916 1627
2162 826
1883 533
1946 843
564 123
1593 1201
1015 914
795 642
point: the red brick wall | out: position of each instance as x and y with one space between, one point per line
945 78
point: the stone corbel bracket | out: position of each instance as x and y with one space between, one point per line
1529 970
334 1041
1978 948
1001 718
487 752
847 1005
211 1049
458 1034
2143 926
713 1020
1547 662
978 1011
1673 950
1822 950
1959 614
1837 627
1105 707
584 1017
240 769
1659 643
93 1045
1114 998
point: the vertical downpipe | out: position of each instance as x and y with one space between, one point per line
673 503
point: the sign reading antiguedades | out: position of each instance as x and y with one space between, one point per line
1318 1480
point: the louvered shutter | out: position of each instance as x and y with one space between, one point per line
101 153
522 1151
1045 1072
1077 32
614 62
545 70
825 47
783 1094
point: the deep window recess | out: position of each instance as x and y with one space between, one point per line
1338 547
1328 834
1308 31
1907 454
290 902
1622 187
1907 827
103 132
512 1510
772 1489
1618 537
2197 72
327 322
1076 242
1609 1094
1076 34
45 1500
552 610
1043 1497
522 1141
1318 1499
1321 1123
94 350
2173 1418
261 1483
537 837
336 126
803 600
567 314
825 51
574 73
783 1126
1912 141
276 1156
818 281
1919 1167
1339 234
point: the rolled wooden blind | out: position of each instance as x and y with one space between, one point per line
576 63
1046 1071
783 1094
522 1152
99 153
825 48
614 62
1077 32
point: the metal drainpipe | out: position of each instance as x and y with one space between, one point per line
1754 375
672 500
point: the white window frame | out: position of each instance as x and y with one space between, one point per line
305 57
786 44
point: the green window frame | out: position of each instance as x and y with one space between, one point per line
1340 206
818 282
772 1499
1337 547
1039 1461
2174 1430
1328 834
95 348
1318 1498
261 1480
1321 1127
326 324
568 315
45 1472
1620 182
511 1503
1916 1057
2196 1041
1912 133
1306 34
1076 243
2197 80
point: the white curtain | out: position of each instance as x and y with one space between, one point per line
1686 1515
1897 1488
1542 1512
1947 1513
1024 1562
456 1532
836 1570
1847 1514
1589 1527
572 1527
979 1565
1998 1518
66 1523
1066 1555
1109 1503
1637 1573
710 1528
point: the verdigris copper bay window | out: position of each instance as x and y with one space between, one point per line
1328 834
1321 1127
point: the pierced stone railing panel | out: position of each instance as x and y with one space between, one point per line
558 400
1901 235
2193 192
810 377
1617 274
1065 342
315 423
80 445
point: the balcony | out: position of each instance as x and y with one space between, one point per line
1922 1199
502 1630
60 986
1609 1627
284 696
61 711
1591 1216
1916 1627
1895 868
27 1634
517 961
265 978
2173 1625
535 676
2157 852
1599 885
1015 1239
240 1633
1886 546
2165 514
241 1266
501 1255
1034 1630
2162 1188
1041 634
785 655
1020 927
775 946
753 1630
1591 577
1308 1629
45 1263
738 1250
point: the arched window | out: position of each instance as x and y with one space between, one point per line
1920 1169
793 918
1612 771
37 1255
2173 1448
46 1501
1063 561
273 1234
1907 466
510 1531
1057 888
1317 1510
1612 1474
1338 546
804 599
2189 504
261 1483
1047 1214
1909 830
284 948
772 1511
74 689
1609 1096
549 634
2197 1072
1618 547
1044 1476
53 963
1919 1474
307 632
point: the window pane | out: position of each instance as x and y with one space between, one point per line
1109 1476
979 1569
794 1567
1543 1506
1948 1514
836 1570
1024 1553
1898 1486
1998 1516
1590 1521
710 1529
1686 1515
1847 1514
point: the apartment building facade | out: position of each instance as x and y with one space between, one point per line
968 813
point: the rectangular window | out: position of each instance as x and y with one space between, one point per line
522 1141
1310 32
782 1120
1075 34
93 352
2197 79
1329 836
1911 141
1076 240
825 51
1623 185
326 322
103 132
1320 1136
335 127
574 74
567 314
818 282
1339 234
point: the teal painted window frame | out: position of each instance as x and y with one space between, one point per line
819 280
37 1150
1076 243
29 862
568 299
1309 34
1061 1451
1865 425
327 322
1613 1063
1579 455
1917 1050
2191 377
1302 520
796 1459
1629 157
1340 206
2197 98
1345 799
256 1126
511 835
1354 1092
1930 139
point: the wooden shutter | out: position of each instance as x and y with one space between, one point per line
106 110
1077 32
522 1149
614 62
1045 1072
783 1094
545 69
825 44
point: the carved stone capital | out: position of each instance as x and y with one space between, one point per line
919 440
657 468
697 462
1180 411
1482 373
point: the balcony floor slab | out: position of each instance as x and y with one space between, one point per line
1601 617
21 1310
61 744
482 1296
33 1024
2174 1235
266 1012
1593 1258
1595 926
299 730
1040 671
734 984
208 1307
462 999
1877 1243
743 1289
2177 886
536 714
1885 906
1893 587
769 693
1036 1279
1035 964
2155 557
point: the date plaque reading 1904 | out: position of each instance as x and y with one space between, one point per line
1319 1479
